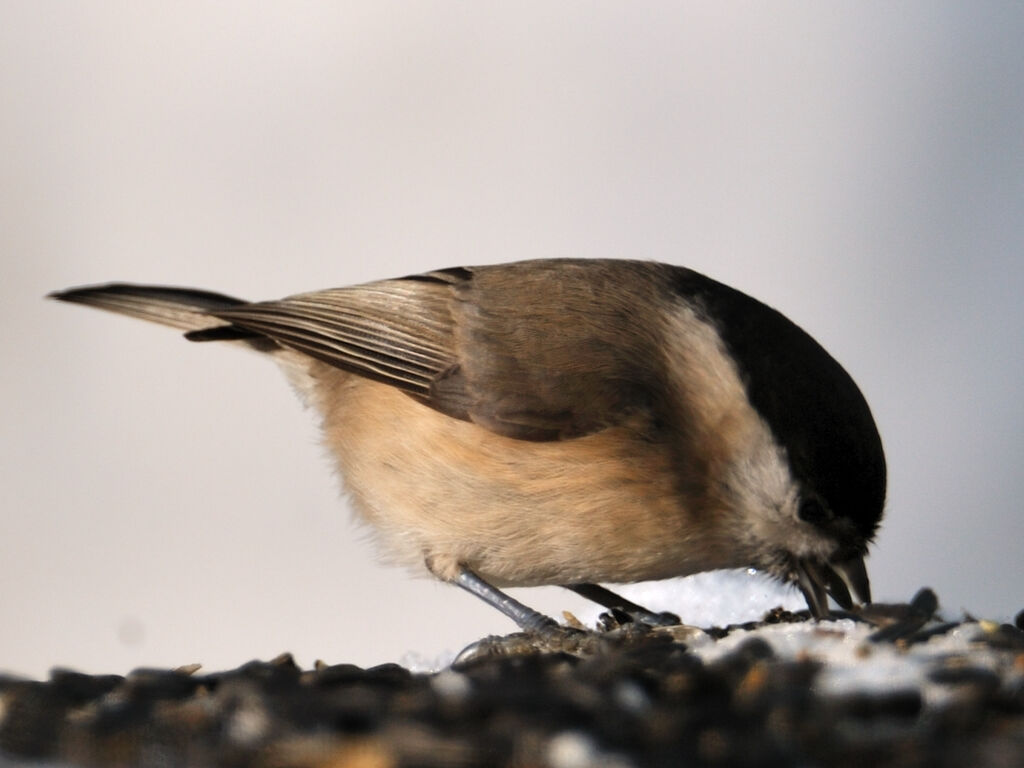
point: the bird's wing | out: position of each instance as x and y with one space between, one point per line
533 350
395 331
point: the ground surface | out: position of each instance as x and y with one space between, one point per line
892 686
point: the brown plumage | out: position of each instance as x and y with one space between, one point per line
570 422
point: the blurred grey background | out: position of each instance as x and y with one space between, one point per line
860 166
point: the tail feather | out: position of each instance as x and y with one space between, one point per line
184 308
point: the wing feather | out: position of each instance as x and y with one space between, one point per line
533 350
393 331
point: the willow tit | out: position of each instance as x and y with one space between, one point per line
570 422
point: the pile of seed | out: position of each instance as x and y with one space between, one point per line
625 695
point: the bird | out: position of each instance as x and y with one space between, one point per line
570 422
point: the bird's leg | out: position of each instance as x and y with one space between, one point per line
523 615
609 599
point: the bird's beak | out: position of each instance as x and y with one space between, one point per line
817 580
855 576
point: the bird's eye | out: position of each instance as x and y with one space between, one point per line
813 511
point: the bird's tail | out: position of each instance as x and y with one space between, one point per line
194 312
187 309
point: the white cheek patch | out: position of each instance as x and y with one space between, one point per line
770 497
750 475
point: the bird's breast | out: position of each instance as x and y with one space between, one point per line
606 507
